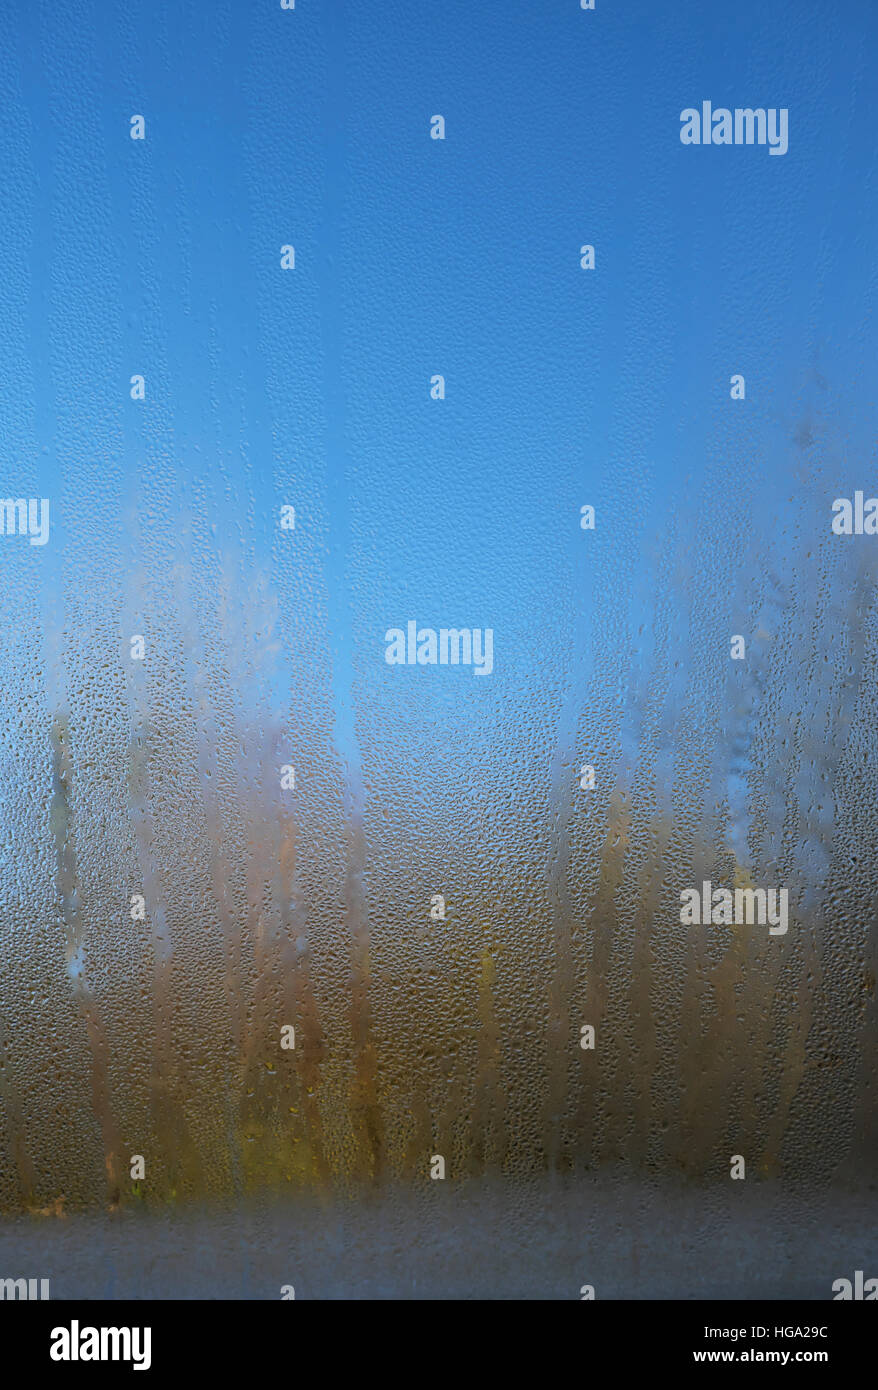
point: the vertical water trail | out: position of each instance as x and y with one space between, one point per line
67 885
365 1108
564 779
61 377
19 412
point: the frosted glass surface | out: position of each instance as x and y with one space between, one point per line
262 823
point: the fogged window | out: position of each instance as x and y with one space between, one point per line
438 645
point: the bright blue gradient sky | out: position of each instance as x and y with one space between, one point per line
415 256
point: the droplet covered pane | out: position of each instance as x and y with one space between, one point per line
438 651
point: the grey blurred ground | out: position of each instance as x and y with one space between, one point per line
481 1239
